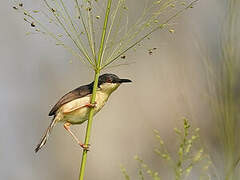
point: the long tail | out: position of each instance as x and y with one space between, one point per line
46 135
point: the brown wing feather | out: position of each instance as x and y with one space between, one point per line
72 95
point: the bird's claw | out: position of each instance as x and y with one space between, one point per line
85 146
92 105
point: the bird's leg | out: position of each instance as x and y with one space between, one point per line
91 105
67 127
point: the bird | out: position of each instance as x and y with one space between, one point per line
74 107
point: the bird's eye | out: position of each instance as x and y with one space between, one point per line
109 80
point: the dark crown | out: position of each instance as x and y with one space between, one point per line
108 78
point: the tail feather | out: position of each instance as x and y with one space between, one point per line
46 135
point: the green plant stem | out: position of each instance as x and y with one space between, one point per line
89 126
95 85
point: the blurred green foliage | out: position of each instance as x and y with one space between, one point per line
223 74
188 155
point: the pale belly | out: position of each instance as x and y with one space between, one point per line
75 112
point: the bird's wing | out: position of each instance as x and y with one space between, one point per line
76 104
72 95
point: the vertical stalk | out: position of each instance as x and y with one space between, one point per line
89 125
95 85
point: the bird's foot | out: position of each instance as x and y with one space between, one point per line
92 105
84 146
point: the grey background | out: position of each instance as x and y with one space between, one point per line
166 86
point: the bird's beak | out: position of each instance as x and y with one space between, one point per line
125 80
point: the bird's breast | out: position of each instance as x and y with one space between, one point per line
101 99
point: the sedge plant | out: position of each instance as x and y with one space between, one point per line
99 32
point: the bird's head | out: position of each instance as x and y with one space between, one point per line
110 82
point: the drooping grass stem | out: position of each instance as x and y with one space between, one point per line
96 77
149 33
65 28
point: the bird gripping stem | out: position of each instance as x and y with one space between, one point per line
95 85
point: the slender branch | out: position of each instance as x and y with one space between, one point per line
113 40
89 34
52 35
69 35
149 33
92 36
139 27
72 27
104 34
111 25
95 85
